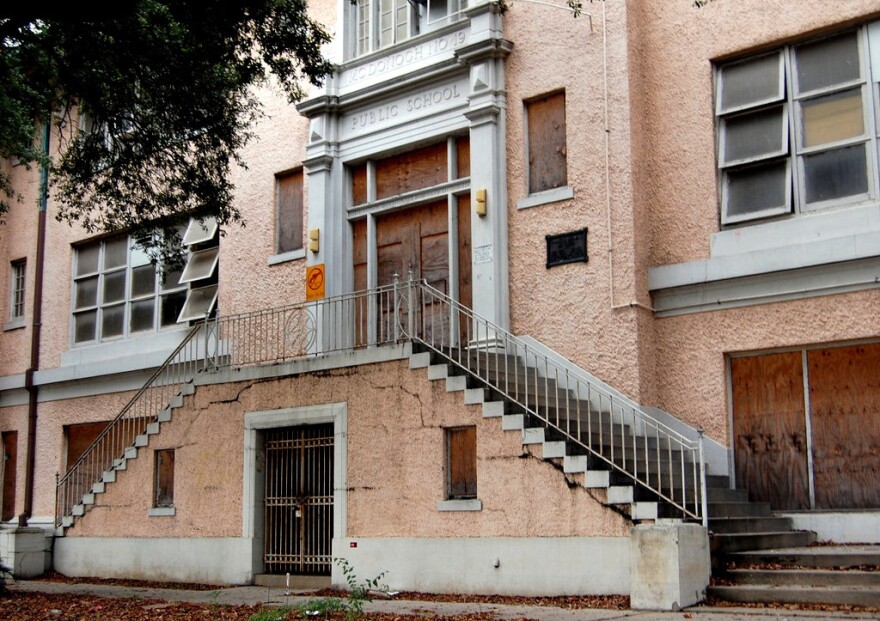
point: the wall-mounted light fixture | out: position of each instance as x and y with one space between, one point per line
480 197
314 240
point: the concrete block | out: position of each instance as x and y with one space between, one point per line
669 566
493 409
24 551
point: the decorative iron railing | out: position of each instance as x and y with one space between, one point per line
612 431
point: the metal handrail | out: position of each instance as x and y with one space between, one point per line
132 421
339 323
611 429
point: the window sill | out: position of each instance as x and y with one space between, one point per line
161 511
15 324
548 196
284 257
471 504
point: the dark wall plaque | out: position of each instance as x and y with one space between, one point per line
567 248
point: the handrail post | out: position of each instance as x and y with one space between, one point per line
57 504
410 319
395 310
704 508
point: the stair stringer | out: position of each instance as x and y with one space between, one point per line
131 453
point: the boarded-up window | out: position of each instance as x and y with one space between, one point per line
463 155
289 224
164 478
415 170
461 450
359 185
546 136
8 459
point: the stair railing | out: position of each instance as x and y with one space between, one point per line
339 323
132 421
609 431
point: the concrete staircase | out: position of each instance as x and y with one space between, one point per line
756 556
835 575
612 485
141 441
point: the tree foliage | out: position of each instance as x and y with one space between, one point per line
154 102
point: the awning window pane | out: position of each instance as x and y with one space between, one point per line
143 281
115 252
833 117
757 190
828 62
753 135
112 320
751 82
836 174
84 326
199 303
87 259
114 287
170 307
201 265
199 232
142 315
87 292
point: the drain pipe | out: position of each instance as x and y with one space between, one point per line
634 303
36 328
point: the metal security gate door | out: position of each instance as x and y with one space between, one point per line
299 500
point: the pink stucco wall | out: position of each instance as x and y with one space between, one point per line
396 418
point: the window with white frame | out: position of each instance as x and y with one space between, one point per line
16 290
118 292
378 24
798 127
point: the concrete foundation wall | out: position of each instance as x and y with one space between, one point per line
525 566
840 527
216 560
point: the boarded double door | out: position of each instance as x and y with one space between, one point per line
417 241
807 427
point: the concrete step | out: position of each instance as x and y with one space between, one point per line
620 495
554 450
835 595
724 494
152 429
494 409
533 435
474 396
644 511
736 542
438 371
176 402
738 509
164 416
804 577
456 383
99 487
420 360
67 521
109 476
78 510
748 524
574 463
130 453
88 499
188 389
818 556
513 422
597 479
142 441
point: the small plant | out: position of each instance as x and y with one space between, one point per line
270 614
353 605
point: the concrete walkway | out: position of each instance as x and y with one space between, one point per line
275 596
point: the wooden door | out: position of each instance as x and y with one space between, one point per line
769 428
845 420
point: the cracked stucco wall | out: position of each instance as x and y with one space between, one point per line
395 465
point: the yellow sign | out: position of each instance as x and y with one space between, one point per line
315 282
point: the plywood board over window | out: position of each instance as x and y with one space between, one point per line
289 222
415 170
845 418
546 143
8 473
769 429
461 448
